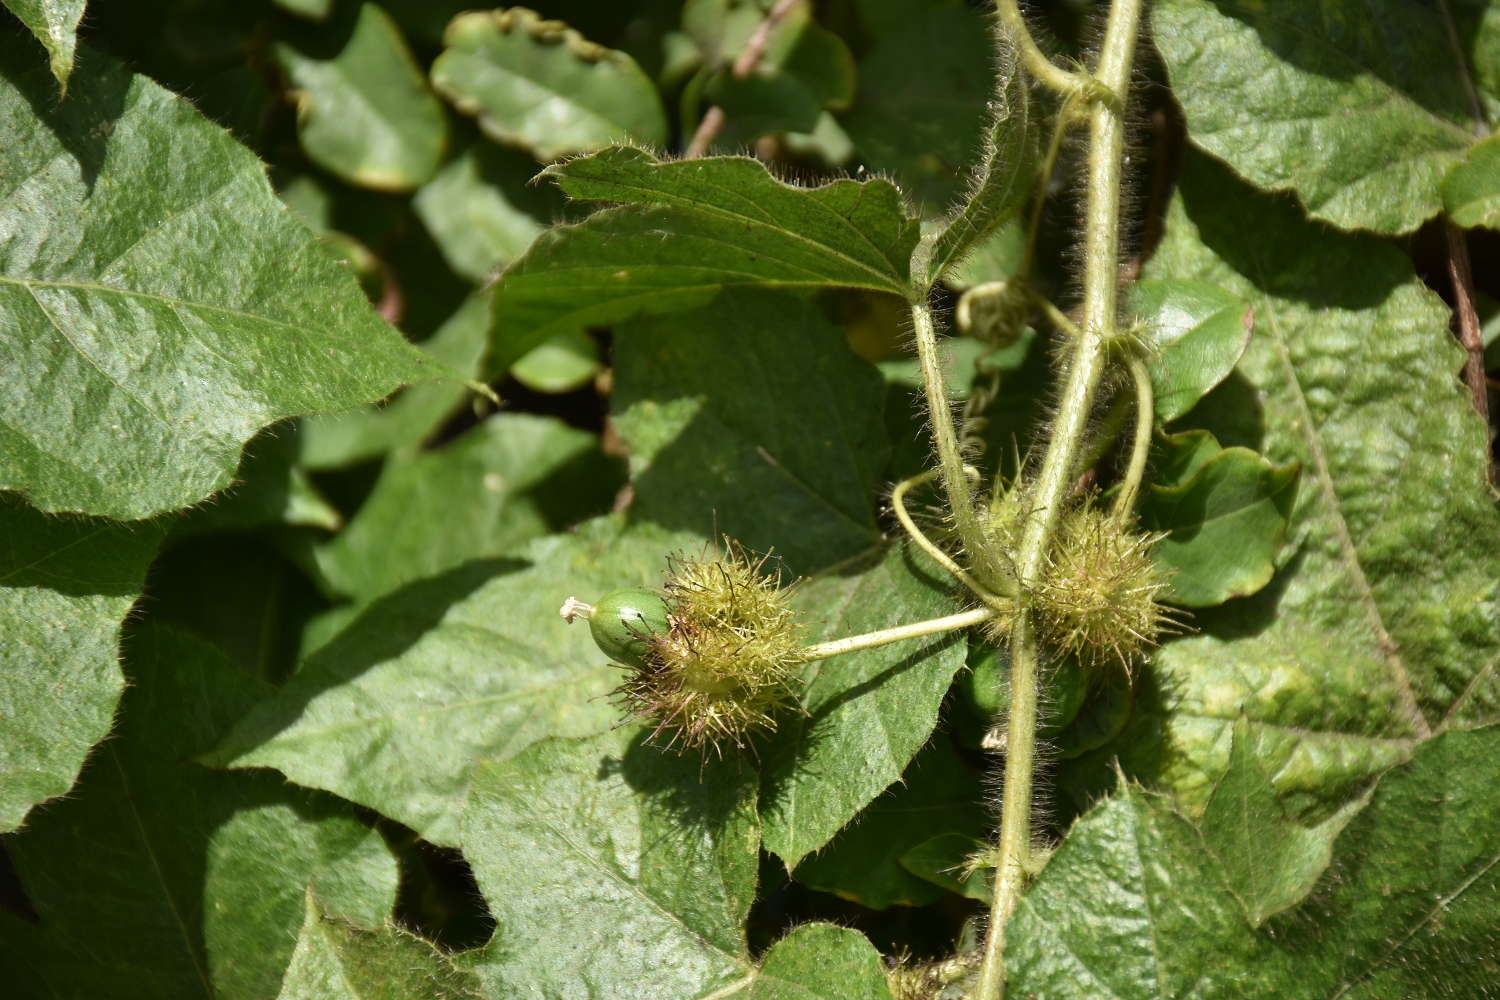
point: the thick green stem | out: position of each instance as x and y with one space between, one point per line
886 636
1100 306
950 458
1038 66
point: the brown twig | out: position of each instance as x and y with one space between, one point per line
1461 279
1476 105
744 64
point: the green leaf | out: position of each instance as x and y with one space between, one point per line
868 713
365 113
165 306
470 218
1351 371
613 870
937 794
1176 458
513 478
1413 911
923 104
754 415
1358 107
66 584
542 86
821 962
199 892
994 258
1226 525
312 10
472 665
334 440
1200 330
55 25
1471 191
1271 861
270 488
1131 905
1006 174
687 229
567 362
335 960
760 104
941 860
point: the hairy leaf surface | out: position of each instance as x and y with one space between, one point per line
753 415
471 665
1392 578
158 304
1358 107
197 888
335 960
55 25
614 869
869 712
686 229
821 962
66 584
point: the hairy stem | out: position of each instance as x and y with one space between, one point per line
950 458
1038 66
1100 307
898 504
1044 180
886 636
1145 416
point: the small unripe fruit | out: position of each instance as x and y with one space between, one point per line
625 621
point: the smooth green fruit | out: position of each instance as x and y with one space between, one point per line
623 621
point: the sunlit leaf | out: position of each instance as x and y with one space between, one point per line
66 583
542 86
364 113
1471 191
613 869
164 305
821 962
687 229
1358 107
55 25
1200 330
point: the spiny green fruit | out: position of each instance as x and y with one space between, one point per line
727 661
1098 595
624 622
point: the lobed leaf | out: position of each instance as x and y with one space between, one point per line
751 416
542 86
158 304
614 869
869 712
1131 905
472 665
66 584
1351 371
1271 861
684 231
1357 106
197 890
